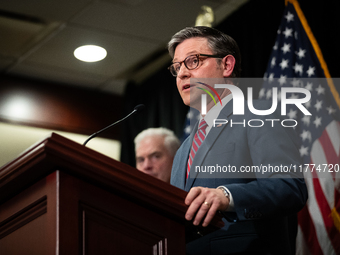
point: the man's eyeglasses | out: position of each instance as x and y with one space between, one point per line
191 62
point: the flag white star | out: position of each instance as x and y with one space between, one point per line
273 62
288 32
293 96
269 94
318 105
301 53
306 135
306 120
303 151
296 82
298 68
289 17
311 71
275 47
187 129
309 86
317 121
265 76
308 104
190 114
271 77
330 110
285 48
320 90
284 64
279 95
283 79
262 92
292 114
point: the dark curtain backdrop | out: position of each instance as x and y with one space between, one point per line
254 27
163 108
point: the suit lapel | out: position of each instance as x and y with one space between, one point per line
179 171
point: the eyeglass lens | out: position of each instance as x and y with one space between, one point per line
191 62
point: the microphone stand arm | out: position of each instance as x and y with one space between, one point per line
113 124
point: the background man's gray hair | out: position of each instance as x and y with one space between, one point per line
218 42
171 141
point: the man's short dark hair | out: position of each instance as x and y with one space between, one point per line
218 42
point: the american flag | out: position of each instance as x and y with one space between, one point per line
192 117
297 61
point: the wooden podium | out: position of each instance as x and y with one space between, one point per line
60 197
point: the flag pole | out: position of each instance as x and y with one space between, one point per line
316 49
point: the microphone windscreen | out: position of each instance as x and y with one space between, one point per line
139 107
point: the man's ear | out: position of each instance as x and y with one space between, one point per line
228 65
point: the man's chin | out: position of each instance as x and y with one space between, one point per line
193 103
153 175
186 101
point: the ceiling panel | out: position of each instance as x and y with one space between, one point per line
48 10
122 51
38 37
19 32
152 19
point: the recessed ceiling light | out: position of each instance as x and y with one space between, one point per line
90 53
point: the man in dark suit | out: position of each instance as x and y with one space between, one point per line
257 207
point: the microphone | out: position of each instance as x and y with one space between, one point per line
139 108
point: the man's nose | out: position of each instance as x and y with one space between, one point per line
147 164
183 72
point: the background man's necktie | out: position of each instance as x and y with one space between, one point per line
196 143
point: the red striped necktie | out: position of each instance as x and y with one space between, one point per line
196 143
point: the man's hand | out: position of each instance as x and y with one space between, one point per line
205 202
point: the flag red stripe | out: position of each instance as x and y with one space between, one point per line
325 210
309 232
328 148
